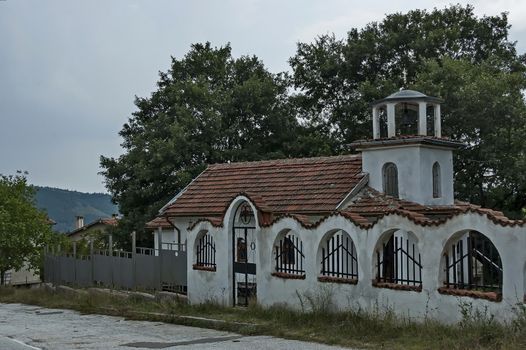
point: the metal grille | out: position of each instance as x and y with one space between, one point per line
289 255
398 262
206 251
473 264
339 257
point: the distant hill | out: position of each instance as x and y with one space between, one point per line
63 206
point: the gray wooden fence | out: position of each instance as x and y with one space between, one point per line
142 268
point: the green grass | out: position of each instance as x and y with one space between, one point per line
378 330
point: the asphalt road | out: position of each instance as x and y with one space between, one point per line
25 327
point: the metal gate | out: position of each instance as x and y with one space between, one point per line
244 265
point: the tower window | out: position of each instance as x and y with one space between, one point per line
436 180
390 179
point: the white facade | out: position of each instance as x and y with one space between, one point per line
415 167
218 286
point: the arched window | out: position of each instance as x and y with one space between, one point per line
398 261
436 181
288 256
471 262
390 179
205 252
339 261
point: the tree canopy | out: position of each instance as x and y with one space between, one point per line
24 230
338 78
210 107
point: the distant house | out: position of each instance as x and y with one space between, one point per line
83 231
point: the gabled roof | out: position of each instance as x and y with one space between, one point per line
113 221
299 186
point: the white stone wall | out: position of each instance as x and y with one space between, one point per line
218 286
415 171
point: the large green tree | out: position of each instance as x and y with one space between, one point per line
484 108
24 230
336 79
209 107
451 53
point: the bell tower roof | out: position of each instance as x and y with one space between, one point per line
407 96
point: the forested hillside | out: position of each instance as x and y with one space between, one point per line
63 206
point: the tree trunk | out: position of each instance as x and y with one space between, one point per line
2 274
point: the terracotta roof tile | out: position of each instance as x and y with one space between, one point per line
299 186
373 205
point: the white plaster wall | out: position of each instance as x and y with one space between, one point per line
209 286
415 169
510 242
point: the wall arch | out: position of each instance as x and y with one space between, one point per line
288 255
471 262
337 257
396 261
204 251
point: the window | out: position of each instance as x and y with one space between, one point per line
339 261
288 256
473 263
398 262
436 181
390 179
205 251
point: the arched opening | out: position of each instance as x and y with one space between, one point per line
398 263
406 120
288 255
244 254
338 258
471 262
437 190
382 122
390 179
204 252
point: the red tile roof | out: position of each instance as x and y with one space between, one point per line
308 190
300 186
374 205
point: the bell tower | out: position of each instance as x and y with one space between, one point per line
407 156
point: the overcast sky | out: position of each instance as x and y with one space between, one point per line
69 70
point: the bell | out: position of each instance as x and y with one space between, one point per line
407 121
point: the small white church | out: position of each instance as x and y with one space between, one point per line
373 230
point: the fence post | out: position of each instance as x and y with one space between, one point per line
92 262
133 252
75 263
159 248
110 253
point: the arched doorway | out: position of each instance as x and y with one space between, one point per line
244 257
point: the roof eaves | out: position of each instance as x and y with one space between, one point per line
172 201
354 191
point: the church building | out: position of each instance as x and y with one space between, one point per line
376 230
